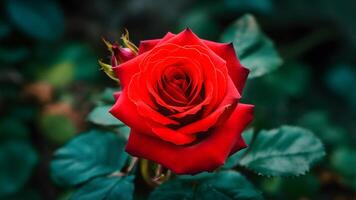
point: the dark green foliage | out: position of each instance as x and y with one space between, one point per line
286 151
255 50
89 155
101 116
220 185
40 19
17 160
108 188
58 43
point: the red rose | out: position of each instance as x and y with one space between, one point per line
180 98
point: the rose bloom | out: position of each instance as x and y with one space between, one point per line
180 98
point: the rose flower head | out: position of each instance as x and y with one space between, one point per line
180 97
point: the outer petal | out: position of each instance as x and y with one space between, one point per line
207 155
237 72
126 111
147 45
188 38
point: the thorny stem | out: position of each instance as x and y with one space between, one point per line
128 169
132 164
117 174
158 178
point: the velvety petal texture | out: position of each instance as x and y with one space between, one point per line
180 98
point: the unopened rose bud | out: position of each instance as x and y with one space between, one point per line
121 55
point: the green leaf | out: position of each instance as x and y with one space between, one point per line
233 160
319 122
59 75
101 116
286 151
241 6
234 185
201 22
89 155
17 160
220 185
341 79
254 49
124 131
108 188
82 57
290 79
108 95
343 160
72 62
40 19
174 190
57 128
208 192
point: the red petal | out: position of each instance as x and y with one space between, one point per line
116 95
202 125
147 45
127 70
126 111
189 39
207 155
237 72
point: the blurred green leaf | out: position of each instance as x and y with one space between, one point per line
343 160
101 116
341 80
12 55
291 79
12 127
40 19
17 160
108 188
108 95
124 131
220 185
82 58
4 29
59 75
286 151
307 186
87 156
65 195
262 6
28 194
57 128
72 62
254 49
322 126
233 160
201 22
24 112
271 185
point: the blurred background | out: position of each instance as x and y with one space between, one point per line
50 80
